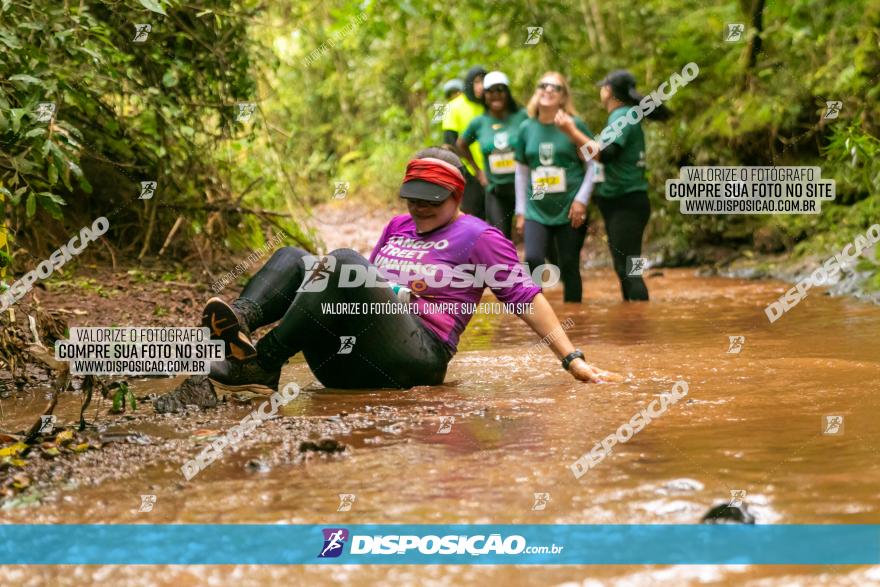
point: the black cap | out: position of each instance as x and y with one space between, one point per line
419 189
623 85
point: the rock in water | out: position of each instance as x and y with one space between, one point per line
725 513
257 466
194 391
328 445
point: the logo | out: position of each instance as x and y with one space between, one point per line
832 425
45 111
502 141
346 500
147 503
334 541
736 344
545 153
537 193
736 498
734 32
438 111
534 34
47 424
637 265
446 423
346 345
318 270
832 109
141 32
340 189
244 111
541 501
148 190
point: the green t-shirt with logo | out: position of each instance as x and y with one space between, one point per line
497 139
625 173
459 113
554 165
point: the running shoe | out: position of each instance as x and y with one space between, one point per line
227 325
233 376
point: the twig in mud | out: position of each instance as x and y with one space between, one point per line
170 236
88 386
110 250
151 224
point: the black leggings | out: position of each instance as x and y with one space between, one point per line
474 201
500 208
626 217
568 240
389 350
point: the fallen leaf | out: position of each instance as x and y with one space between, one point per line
13 449
205 434
64 437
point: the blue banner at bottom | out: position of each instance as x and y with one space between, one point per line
457 544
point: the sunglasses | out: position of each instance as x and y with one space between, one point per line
430 203
549 86
497 89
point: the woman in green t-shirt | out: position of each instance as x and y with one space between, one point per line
553 183
497 132
622 193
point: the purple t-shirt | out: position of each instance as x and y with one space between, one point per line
448 268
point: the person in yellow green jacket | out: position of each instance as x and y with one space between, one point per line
459 114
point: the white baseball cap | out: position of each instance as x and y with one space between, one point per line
494 78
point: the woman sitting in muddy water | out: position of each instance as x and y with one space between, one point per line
325 314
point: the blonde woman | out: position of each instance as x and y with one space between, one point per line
553 183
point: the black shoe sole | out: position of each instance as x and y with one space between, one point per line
220 319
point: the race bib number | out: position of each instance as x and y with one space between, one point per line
502 163
550 180
600 172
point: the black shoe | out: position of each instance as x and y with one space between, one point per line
226 324
194 391
233 376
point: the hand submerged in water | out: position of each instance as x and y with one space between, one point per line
583 371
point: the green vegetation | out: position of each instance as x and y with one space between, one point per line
343 91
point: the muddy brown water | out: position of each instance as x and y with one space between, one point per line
751 421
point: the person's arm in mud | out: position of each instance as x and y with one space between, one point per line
544 322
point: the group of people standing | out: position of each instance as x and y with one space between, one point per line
526 170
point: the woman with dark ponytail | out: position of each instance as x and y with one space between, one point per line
622 190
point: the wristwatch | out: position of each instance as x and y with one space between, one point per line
576 354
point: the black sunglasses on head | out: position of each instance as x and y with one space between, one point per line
549 86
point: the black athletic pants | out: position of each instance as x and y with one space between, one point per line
343 350
539 237
500 207
626 217
474 201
